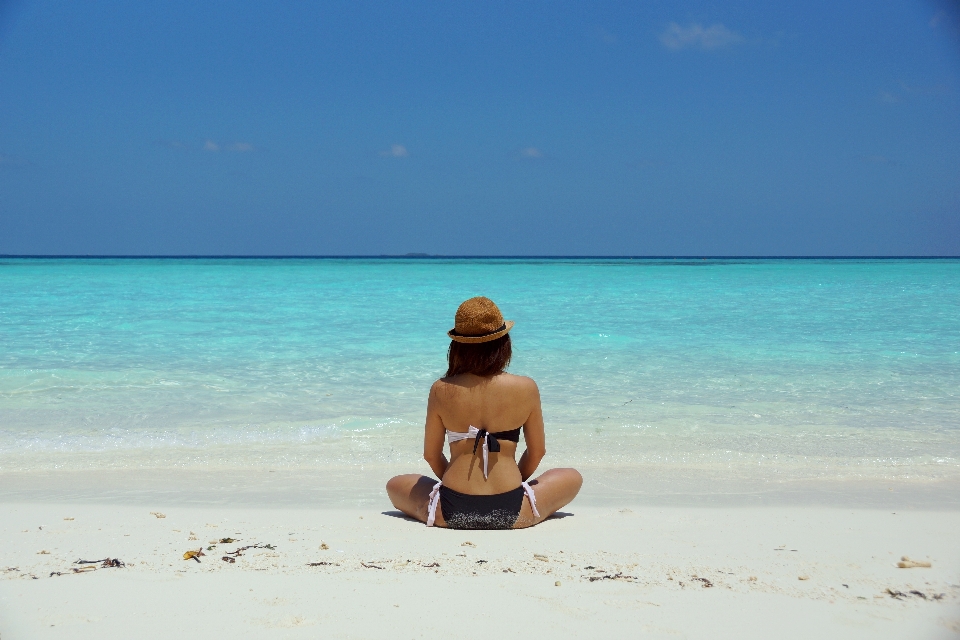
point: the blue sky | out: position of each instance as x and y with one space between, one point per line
480 128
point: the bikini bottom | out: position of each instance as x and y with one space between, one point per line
465 511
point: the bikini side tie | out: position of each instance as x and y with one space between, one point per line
434 500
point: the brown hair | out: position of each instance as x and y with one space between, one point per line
483 359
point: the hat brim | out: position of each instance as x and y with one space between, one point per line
507 325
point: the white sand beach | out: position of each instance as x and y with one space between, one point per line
360 572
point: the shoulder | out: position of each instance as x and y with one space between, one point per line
522 384
439 386
444 388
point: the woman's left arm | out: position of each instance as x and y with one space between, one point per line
533 434
434 434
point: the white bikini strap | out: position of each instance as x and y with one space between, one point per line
486 453
457 436
432 504
533 498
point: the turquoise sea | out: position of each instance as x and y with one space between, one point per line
759 370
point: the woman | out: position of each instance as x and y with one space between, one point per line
481 410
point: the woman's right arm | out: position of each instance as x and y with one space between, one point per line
433 436
533 436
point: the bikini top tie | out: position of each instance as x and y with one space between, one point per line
483 437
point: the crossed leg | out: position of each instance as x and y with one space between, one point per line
554 489
410 493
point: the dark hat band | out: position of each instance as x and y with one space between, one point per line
453 332
486 337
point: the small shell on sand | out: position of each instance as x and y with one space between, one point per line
194 555
157 514
907 563
468 544
803 577
557 583
324 546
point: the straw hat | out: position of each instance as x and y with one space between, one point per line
479 320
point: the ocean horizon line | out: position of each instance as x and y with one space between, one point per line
426 256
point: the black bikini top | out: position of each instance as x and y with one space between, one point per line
513 435
492 440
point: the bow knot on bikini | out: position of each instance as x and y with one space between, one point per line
480 437
489 441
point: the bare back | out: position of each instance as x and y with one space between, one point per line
498 403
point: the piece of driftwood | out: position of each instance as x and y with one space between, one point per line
616 576
90 565
104 563
239 552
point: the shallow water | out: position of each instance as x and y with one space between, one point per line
751 369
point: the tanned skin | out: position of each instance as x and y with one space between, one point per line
501 402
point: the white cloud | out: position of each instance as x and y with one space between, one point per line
531 152
395 151
926 90
237 147
715 36
886 96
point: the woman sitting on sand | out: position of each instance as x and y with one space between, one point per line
481 410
